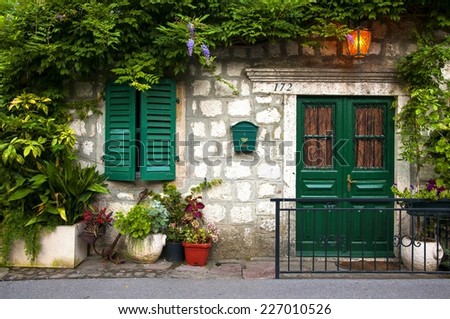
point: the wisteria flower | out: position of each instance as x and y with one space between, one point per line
191 29
190 45
205 51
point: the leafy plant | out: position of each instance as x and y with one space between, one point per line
142 220
425 227
176 204
12 228
197 231
204 234
60 193
42 185
96 220
47 44
423 122
173 201
433 190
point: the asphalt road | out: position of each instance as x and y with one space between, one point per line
172 288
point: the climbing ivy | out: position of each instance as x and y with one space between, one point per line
424 122
48 43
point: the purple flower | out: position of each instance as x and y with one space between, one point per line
190 45
205 51
349 38
191 29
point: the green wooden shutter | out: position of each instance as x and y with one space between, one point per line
158 122
120 132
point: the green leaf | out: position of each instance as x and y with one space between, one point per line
38 180
62 213
99 189
21 193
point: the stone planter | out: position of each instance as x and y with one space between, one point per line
421 255
61 248
146 250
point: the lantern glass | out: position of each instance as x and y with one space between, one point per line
358 42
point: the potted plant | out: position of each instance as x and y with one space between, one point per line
94 223
433 195
46 236
422 250
44 191
144 230
174 202
199 235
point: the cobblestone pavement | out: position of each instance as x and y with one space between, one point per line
96 267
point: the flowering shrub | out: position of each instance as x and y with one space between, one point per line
96 222
204 234
432 190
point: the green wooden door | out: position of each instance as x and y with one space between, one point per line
345 150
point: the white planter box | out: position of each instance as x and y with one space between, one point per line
61 248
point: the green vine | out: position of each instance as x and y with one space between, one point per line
48 44
12 229
424 122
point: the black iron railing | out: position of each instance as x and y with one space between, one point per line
364 235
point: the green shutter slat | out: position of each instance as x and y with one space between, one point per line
158 122
120 132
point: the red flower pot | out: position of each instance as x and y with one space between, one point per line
196 254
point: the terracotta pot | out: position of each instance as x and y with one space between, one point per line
196 254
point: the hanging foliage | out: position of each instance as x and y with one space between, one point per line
48 43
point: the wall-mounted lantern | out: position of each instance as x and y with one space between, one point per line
358 42
244 136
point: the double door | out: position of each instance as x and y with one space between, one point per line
344 150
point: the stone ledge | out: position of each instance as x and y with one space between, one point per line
333 75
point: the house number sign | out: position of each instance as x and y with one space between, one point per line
283 87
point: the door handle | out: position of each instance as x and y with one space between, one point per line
349 182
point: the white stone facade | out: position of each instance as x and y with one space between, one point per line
268 78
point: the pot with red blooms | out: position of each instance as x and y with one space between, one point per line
199 235
94 223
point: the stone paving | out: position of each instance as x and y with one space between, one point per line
96 267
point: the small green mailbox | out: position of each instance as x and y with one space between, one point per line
244 136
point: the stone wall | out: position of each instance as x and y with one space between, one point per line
268 77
